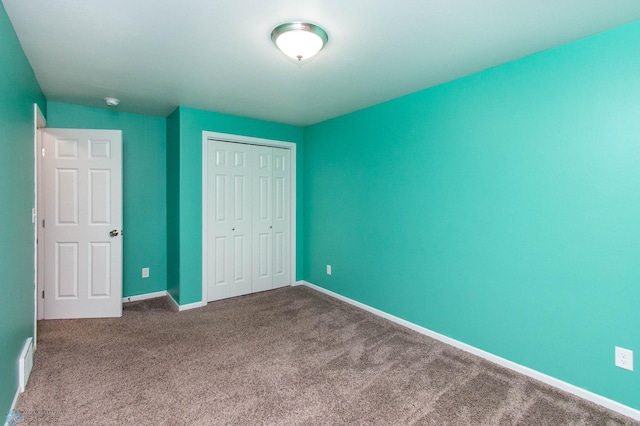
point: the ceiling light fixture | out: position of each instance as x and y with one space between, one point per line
299 40
112 102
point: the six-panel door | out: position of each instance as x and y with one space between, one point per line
82 175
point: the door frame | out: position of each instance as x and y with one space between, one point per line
39 123
247 140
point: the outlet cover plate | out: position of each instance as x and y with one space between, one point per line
328 269
145 272
624 358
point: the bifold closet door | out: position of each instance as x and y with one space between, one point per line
262 267
249 219
229 219
271 218
281 217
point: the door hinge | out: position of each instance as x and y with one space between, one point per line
43 294
43 223
43 152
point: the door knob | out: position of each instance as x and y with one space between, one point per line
113 233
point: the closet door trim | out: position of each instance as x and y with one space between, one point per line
225 137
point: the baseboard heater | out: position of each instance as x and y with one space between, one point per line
25 363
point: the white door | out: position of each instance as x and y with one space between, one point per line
248 218
82 177
281 217
262 277
271 213
229 211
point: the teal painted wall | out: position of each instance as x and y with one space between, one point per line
500 209
19 90
173 204
192 123
144 188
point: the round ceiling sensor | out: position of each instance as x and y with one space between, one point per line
113 102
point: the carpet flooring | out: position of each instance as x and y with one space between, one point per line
291 356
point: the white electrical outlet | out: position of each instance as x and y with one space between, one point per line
624 358
328 269
145 272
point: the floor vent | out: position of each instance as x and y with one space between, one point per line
25 364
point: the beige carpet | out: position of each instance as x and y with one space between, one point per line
285 357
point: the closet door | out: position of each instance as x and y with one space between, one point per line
281 217
249 219
271 218
229 207
263 219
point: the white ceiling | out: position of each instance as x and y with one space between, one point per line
217 54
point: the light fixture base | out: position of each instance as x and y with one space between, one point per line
112 102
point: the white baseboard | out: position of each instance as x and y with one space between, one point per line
144 296
186 307
297 283
552 381
161 294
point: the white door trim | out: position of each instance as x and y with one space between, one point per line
39 122
226 137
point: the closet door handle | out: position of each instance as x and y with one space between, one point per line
233 229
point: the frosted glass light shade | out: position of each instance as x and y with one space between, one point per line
299 40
